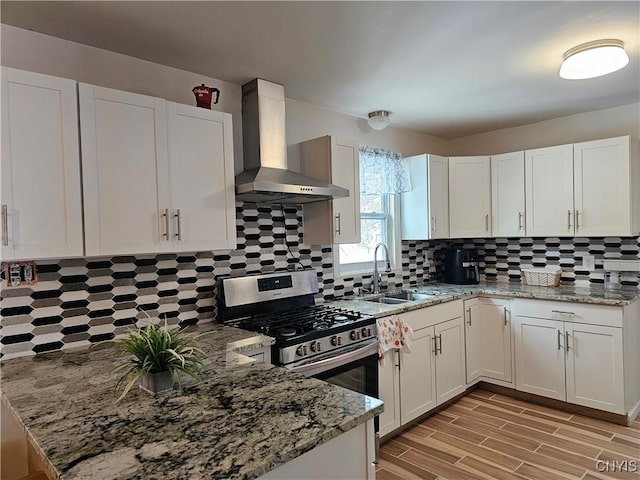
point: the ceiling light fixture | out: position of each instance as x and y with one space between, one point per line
379 119
593 59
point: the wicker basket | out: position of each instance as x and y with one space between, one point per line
542 277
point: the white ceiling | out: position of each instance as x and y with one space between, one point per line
449 69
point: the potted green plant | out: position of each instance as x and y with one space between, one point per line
161 355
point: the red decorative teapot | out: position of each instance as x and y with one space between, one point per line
204 95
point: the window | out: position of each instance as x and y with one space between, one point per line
379 223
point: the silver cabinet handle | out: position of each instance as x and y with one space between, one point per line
577 219
5 226
178 227
338 224
435 345
568 219
562 312
165 214
469 319
566 341
505 315
520 220
486 222
559 335
433 224
440 349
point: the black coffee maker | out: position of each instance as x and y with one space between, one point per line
461 266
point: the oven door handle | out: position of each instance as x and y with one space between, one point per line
314 368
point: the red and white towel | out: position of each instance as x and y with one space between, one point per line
393 332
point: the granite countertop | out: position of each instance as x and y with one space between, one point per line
246 419
443 292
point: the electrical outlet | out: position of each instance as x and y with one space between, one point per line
588 263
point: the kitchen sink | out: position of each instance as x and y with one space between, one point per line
387 300
407 295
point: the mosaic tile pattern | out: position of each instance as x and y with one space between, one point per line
87 300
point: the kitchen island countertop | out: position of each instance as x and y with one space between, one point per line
246 419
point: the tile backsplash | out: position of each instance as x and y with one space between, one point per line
81 301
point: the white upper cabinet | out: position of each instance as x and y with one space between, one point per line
158 177
202 179
336 161
507 195
606 182
549 191
125 172
425 208
469 197
41 195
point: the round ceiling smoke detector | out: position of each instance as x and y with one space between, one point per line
379 119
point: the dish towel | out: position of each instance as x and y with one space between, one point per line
393 332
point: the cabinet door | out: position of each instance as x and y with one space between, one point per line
336 161
41 200
539 347
125 172
202 180
602 176
469 197
418 377
507 194
389 391
549 191
495 339
472 339
450 360
345 172
594 367
439 196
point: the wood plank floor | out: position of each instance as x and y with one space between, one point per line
485 435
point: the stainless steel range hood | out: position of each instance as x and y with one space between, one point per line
266 177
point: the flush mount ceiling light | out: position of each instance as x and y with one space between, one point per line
379 119
593 59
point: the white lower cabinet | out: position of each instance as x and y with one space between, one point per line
562 353
488 340
411 384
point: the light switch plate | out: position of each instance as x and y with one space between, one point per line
589 263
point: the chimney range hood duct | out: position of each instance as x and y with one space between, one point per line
266 178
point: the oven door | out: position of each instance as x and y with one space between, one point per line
354 367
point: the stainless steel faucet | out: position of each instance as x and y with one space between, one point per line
375 284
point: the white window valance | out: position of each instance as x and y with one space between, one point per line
382 171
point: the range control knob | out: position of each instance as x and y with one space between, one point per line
315 346
336 341
365 332
301 351
354 335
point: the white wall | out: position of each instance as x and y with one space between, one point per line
40 53
611 122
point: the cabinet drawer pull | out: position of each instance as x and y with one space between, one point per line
469 319
433 224
440 349
178 226
338 224
520 221
165 214
505 315
486 222
566 341
577 220
568 219
435 345
5 226
559 335
562 312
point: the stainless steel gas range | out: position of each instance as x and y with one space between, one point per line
323 341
